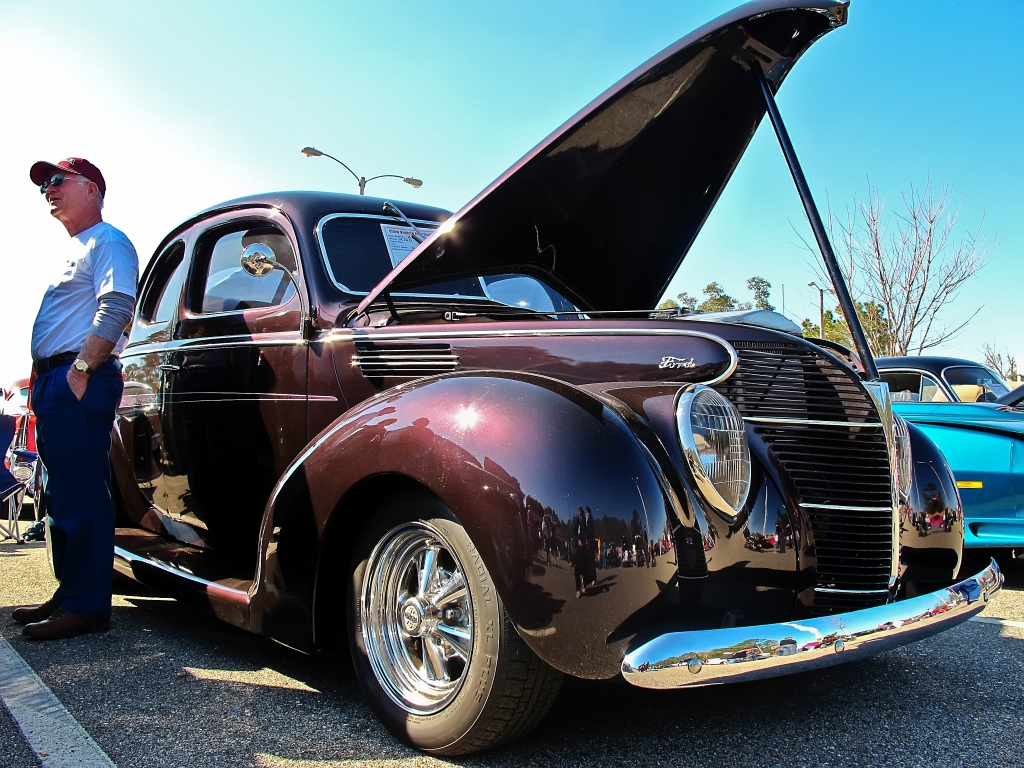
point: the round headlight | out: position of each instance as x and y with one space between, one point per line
904 463
715 447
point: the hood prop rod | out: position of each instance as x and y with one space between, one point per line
827 254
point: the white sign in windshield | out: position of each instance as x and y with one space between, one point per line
400 242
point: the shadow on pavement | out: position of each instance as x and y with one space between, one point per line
170 686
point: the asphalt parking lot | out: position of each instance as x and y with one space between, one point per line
169 687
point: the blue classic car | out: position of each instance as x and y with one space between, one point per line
978 422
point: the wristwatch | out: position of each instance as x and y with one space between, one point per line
81 365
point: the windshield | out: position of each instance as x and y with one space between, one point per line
359 251
974 384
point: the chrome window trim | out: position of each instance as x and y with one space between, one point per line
349 334
831 591
145 290
951 397
813 422
273 215
385 219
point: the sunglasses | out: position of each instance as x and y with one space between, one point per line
58 180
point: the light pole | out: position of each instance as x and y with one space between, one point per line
361 180
821 308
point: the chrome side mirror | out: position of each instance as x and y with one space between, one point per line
259 260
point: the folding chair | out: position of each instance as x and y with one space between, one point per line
16 481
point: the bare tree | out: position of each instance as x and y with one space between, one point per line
910 269
1002 363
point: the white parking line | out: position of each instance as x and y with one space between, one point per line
1002 622
50 730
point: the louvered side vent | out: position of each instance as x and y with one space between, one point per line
821 426
413 360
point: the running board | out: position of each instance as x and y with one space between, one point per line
228 604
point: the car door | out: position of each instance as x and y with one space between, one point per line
142 414
235 382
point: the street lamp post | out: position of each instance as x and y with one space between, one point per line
821 308
361 180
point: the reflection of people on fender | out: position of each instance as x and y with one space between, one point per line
545 535
583 560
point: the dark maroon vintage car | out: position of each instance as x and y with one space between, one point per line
468 448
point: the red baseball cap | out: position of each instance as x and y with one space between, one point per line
43 170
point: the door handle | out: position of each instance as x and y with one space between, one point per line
169 367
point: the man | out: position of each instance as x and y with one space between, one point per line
77 336
583 560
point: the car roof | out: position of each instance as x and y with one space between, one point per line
932 364
305 208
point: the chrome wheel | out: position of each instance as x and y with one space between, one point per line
416 617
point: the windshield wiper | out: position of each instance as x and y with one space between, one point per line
390 208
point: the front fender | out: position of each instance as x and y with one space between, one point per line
500 450
931 520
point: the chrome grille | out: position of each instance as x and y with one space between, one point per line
826 436
404 359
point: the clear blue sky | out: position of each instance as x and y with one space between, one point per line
185 104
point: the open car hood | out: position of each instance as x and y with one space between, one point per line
606 207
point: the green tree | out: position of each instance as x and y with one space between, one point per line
684 300
717 300
872 319
761 289
687 301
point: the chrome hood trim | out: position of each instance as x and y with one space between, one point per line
606 207
738 654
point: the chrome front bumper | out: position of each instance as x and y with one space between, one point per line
737 654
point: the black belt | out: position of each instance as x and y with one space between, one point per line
49 363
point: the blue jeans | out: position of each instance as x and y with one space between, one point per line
73 440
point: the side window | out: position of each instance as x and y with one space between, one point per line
903 387
931 392
160 303
226 287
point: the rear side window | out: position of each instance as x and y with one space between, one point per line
360 252
226 287
913 388
161 301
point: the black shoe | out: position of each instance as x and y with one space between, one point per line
30 614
